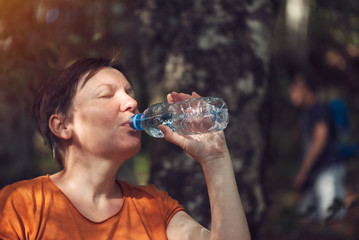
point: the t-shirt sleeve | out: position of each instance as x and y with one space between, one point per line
12 212
170 206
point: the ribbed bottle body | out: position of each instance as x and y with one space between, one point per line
191 116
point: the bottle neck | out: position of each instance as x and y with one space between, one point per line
135 122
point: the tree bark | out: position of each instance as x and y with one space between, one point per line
216 48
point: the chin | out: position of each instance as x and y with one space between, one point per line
127 146
133 148
126 153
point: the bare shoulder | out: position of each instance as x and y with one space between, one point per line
184 227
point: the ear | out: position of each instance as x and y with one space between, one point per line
59 128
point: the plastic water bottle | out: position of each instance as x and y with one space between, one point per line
191 116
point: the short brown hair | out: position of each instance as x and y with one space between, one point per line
55 96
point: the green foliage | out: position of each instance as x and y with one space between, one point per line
142 167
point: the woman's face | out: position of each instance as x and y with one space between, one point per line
100 112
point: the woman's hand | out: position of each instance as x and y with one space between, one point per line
210 150
202 147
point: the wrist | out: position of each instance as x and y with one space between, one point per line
216 163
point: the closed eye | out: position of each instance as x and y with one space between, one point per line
106 95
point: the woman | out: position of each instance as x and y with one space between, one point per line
82 113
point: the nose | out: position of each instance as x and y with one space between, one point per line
129 104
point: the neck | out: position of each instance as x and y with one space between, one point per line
89 176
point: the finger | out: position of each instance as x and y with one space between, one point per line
170 136
170 98
180 96
174 97
195 95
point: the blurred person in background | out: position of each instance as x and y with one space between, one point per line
83 114
322 171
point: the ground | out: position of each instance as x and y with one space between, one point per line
282 224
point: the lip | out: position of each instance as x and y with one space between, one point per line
126 124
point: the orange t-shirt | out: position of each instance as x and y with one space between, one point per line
38 209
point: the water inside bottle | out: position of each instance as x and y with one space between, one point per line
151 124
199 117
192 116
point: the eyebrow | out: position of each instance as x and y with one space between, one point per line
128 89
104 85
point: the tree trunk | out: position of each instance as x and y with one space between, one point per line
216 48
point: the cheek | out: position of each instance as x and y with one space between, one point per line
93 121
97 114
